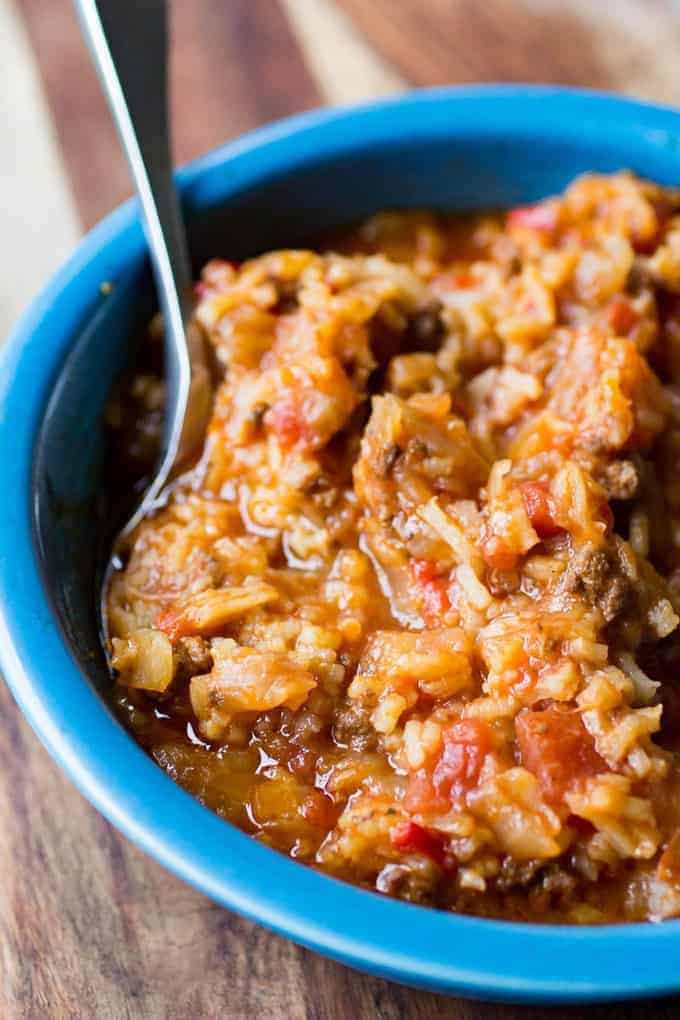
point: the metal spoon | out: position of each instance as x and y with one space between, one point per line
129 45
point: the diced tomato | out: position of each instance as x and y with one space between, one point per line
170 623
435 601
413 838
463 281
496 554
465 745
557 748
539 507
408 835
432 589
288 422
420 795
534 217
621 315
285 420
423 571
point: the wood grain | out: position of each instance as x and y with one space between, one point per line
356 71
234 65
31 165
89 927
613 46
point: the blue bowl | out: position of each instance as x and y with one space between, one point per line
451 148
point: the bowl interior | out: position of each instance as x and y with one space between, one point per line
479 149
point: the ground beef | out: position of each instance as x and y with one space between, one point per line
192 658
597 575
392 879
415 882
557 882
352 728
515 873
553 885
502 582
544 886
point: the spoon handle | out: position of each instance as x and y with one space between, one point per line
129 45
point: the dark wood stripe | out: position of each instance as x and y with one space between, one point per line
235 65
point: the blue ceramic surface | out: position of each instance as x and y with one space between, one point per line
449 148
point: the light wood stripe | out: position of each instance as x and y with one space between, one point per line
343 64
39 225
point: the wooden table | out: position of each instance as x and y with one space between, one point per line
89 926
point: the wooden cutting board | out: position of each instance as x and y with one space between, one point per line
89 926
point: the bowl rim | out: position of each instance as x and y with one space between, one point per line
423 947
